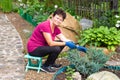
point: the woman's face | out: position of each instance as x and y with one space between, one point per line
57 19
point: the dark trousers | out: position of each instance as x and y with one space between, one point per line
51 51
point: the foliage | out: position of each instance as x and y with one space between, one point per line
69 72
31 9
38 10
41 10
107 19
90 63
63 54
0 4
102 37
49 4
6 5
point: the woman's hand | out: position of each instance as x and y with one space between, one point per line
81 48
70 44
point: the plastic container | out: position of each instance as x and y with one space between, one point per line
22 14
113 67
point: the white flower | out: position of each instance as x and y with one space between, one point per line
21 4
24 6
117 16
20 0
56 6
117 25
118 21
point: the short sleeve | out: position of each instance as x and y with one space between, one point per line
57 31
44 26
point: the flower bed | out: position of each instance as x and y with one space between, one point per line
27 17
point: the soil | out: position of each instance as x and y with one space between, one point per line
24 29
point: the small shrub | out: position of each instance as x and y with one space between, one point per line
69 72
90 63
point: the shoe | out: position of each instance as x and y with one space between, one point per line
48 69
56 65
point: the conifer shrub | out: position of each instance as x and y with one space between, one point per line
92 61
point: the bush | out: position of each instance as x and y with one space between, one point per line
107 19
90 63
102 37
6 5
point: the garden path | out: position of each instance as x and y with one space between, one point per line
11 56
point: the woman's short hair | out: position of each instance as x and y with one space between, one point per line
60 12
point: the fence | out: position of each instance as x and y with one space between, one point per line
91 8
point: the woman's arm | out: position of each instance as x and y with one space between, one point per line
63 38
50 42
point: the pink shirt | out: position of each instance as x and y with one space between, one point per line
37 39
